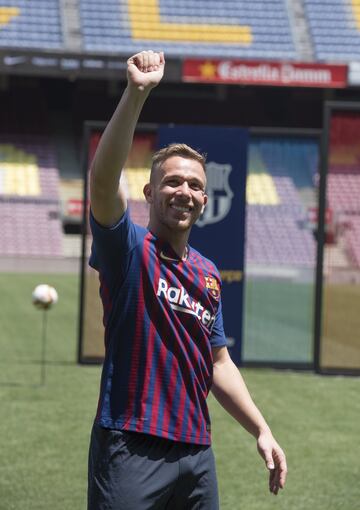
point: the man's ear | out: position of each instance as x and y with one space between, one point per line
147 190
204 204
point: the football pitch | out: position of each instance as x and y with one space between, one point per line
45 428
278 321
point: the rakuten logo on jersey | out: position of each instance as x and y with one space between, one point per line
181 301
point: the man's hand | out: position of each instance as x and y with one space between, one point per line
231 392
108 200
274 459
145 69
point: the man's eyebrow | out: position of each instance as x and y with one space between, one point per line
182 178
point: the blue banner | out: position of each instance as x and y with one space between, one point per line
219 234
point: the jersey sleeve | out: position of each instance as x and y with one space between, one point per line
111 246
218 338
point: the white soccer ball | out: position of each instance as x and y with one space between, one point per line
44 296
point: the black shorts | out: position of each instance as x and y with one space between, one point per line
133 471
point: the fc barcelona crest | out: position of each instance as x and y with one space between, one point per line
219 194
212 286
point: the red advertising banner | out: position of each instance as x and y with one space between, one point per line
75 207
282 74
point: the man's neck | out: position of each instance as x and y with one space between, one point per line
178 240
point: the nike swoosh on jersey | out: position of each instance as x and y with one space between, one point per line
165 257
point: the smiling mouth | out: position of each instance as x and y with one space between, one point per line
181 208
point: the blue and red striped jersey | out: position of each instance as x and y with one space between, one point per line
162 316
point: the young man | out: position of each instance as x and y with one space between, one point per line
165 343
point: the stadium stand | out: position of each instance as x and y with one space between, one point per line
139 212
257 29
320 30
276 216
335 29
343 198
29 197
29 25
343 183
132 180
352 236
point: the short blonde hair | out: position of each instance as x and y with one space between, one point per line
176 149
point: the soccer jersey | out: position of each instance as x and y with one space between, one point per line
162 316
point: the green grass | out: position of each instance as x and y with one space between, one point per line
44 430
278 321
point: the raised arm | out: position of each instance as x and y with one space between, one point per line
108 202
231 392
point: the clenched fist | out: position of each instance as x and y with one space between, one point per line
146 69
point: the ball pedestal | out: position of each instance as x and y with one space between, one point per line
43 347
43 298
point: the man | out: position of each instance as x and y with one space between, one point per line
164 338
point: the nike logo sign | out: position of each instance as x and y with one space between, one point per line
13 61
165 257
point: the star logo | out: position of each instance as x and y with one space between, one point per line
208 70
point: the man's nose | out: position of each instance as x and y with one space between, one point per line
184 189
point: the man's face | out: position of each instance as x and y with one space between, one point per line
177 193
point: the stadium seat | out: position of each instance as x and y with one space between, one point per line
29 197
343 184
35 24
335 29
135 179
276 226
227 29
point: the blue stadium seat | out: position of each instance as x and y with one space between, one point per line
334 28
276 229
107 26
35 24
